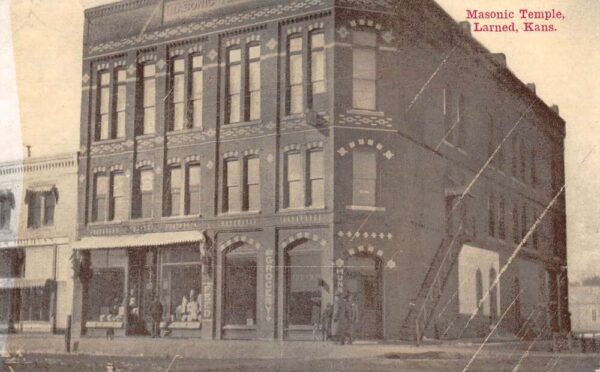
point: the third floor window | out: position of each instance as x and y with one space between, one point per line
186 92
148 94
364 77
111 104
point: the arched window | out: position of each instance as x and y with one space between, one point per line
493 295
479 291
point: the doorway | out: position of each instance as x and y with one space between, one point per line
364 282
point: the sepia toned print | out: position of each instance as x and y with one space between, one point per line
257 183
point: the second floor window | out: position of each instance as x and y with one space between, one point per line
252 185
364 77
192 197
234 86
294 181
295 76
100 198
364 177
5 211
118 209
316 185
253 83
186 92
145 193
174 191
231 191
41 209
149 99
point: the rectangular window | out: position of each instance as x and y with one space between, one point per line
536 235
252 185
534 179
146 191
174 194
491 216
501 219
295 78
364 176
118 201
364 62
100 198
515 224
5 211
193 189
234 86
178 94
231 197
149 104
118 130
316 189
34 217
197 89
317 64
524 226
103 123
49 205
253 83
294 181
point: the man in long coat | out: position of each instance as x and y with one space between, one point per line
340 318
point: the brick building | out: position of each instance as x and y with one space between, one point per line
244 160
38 211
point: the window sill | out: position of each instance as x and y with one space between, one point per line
107 141
104 223
184 130
365 208
239 327
240 213
182 217
303 209
241 124
146 219
293 116
145 136
365 112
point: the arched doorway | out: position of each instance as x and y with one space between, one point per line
364 280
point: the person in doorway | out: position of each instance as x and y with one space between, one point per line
352 309
326 322
193 308
340 319
156 312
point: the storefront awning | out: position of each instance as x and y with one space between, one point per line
19 283
139 240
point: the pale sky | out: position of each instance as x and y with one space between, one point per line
40 89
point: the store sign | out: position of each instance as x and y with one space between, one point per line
269 280
183 9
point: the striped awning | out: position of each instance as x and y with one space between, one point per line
139 240
19 283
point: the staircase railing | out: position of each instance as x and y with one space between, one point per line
435 288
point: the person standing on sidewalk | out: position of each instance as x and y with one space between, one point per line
326 322
156 312
352 309
340 318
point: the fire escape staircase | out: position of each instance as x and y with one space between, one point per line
428 297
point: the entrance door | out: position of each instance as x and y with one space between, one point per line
363 281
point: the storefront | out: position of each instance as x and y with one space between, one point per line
125 273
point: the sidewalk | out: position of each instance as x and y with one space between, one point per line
206 349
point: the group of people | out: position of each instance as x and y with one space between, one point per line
338 322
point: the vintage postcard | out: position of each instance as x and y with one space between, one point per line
299 185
